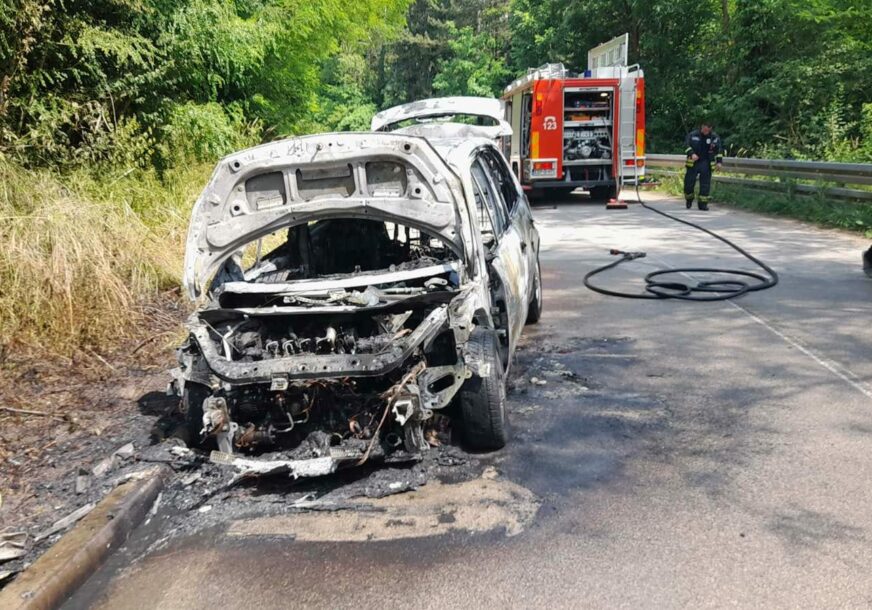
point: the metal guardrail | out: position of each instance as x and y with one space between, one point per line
832 178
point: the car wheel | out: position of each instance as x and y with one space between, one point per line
535 310
192 404
483 398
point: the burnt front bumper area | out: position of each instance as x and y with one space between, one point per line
315 366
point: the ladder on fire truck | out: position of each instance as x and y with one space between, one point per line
628 169
613 55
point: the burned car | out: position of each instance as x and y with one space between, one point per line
349 286
447 117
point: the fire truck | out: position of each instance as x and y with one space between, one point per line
578 130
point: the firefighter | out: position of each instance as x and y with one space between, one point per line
705 154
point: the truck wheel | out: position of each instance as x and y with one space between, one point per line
483 398
535 310
192 404
559 194
603 193
536 195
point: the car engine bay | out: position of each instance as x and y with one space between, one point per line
335 343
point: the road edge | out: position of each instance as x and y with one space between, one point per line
64 567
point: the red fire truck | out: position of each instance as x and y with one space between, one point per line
579 130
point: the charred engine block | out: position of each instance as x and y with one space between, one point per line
339 408
260 340
252 345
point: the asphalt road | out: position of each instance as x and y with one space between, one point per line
677 455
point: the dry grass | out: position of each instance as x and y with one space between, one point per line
81 257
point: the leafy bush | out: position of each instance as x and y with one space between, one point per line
84 82
203 132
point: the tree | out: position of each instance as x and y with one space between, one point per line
122 80
471 68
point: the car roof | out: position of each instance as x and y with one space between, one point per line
456 151
467 105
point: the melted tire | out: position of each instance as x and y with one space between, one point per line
192 404
483 399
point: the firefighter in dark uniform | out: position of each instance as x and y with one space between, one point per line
705 153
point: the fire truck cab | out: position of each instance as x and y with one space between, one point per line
578 130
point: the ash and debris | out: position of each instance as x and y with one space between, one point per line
61 467
202 495
72 497
199 483
555 367
548 378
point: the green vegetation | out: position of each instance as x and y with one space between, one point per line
160 82
113 111
811 208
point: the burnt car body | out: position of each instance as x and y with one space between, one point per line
446 117
349 286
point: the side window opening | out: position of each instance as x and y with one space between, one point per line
485 226
492 204
502 180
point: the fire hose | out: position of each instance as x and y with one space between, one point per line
659 286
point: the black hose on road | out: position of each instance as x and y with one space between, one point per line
656 287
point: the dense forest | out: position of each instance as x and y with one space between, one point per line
112 112
159 81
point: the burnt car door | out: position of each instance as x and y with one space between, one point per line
508 264
520 215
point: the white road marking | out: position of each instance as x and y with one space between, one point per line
843 373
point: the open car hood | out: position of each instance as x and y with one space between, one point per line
255 192
447 107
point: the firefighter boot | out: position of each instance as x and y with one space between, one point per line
688 200
703 203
